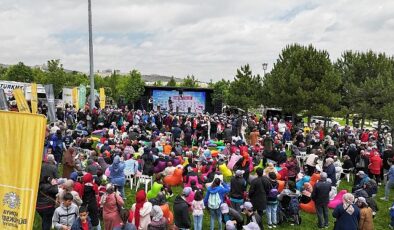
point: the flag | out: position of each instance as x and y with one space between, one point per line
34 100
75 98
82 96
3 100
51 102
23 107
102 98
22 144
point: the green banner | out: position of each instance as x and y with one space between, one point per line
82 96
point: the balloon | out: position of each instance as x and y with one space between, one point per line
174 179
161 165
260 165
107 172
300 183
214 153
221 148
193 178
167 213
154 190
308 207
225 171
281 185
233 159
337 200
315 177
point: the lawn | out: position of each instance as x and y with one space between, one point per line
309 221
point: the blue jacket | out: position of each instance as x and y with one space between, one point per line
117 172
221 189
78 226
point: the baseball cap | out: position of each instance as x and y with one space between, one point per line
247 205
186 191
239 172
224 208
230 225
361 173
362 200
251 226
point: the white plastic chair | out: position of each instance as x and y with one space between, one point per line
146 180
130 178
340 150
348 174
288 144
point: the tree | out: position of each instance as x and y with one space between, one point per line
3 71
303 80
20 72
172 82
243 92
56 76
189 82
158 83
134 87
367 83
220 91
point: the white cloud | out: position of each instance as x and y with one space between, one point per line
209 39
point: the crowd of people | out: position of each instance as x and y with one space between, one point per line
241 170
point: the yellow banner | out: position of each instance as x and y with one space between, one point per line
23 107
34 100
22 144
102 98
75 98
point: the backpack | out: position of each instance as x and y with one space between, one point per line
214 201
273 193
294 206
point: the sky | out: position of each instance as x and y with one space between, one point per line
209 39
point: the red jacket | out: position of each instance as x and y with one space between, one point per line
375 164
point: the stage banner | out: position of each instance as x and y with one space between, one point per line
82 96
75 98
102 98
22 144
51 102
34 99
3 100
23 107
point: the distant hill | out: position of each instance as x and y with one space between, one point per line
156 77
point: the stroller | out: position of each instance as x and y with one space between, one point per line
289 210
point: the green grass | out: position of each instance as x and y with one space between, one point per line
309 221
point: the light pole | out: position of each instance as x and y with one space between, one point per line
265 65
91 73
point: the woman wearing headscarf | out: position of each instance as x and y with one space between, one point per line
158 221
110 202
329 168
117 176
243 164
90 191
68 162
366 216
347 214
141 210
68 187
102 163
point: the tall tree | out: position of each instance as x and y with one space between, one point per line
19 72
367 83
244 91
134 87
303 80
189 82
158 83
220 91
56 76
172 82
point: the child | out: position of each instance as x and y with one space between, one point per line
272 201
65 215
198 207
83 221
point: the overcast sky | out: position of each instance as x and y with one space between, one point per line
209 39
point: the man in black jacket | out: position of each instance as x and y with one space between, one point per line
258 190
321 197
181 207
237 190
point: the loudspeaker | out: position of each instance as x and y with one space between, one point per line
218 107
